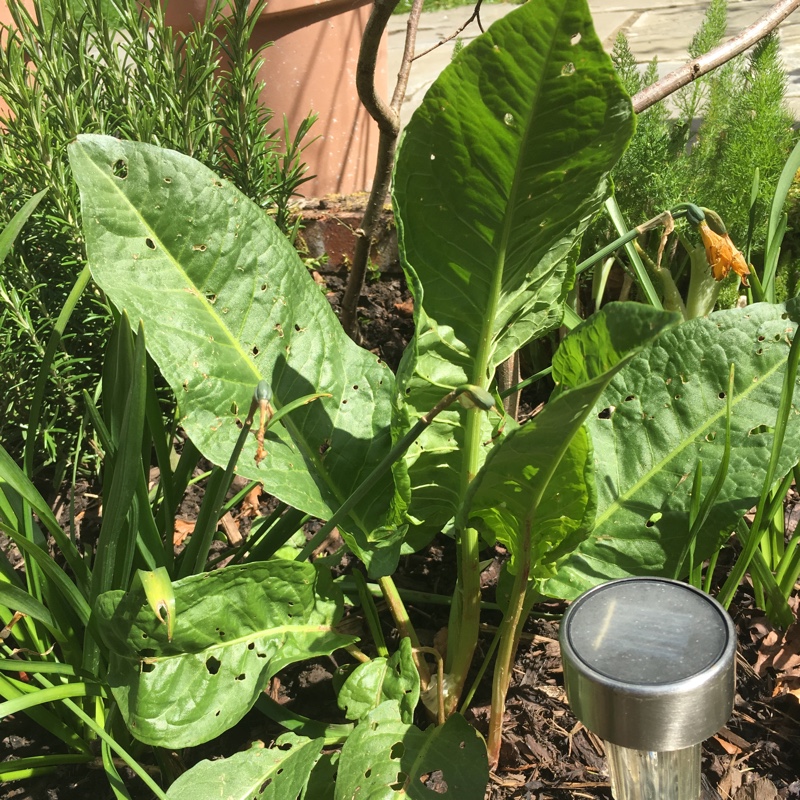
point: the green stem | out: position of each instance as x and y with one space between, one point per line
509 641
410 595
370 614
527 382
405 626
464 622
478 396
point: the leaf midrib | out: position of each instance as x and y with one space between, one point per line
278 630
487 328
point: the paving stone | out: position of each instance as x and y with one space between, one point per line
663 29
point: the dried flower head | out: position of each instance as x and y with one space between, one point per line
722 254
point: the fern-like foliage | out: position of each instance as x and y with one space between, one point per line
704 144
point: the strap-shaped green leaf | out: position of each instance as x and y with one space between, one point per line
226 302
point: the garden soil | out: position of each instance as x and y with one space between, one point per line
547 754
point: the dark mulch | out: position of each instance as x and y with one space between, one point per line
547 753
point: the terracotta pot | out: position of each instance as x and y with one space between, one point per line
311 66
7 19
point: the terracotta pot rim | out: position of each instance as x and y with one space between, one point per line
285 8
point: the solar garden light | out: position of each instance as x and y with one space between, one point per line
649 667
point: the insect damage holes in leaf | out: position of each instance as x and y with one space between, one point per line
400 784
120 169
575 39
607 412
435 782
150 243
199 248
653 519
213 665
567 70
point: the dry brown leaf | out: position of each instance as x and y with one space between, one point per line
761 789
780 652
730 782
406 308
251 502
730 748
182 529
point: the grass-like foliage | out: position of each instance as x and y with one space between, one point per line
74 68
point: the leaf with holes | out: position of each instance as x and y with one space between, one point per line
370 684
384 757
535 493
278 773
227 302
661 414
233 630
498 173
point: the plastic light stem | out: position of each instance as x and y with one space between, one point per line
653 775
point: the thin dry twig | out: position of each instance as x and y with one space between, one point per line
697 67
474 17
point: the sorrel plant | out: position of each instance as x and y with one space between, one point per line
498 175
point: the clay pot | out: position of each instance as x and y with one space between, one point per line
311 66
7 19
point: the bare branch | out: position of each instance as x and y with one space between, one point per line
388 119
408 55
714 58
476 15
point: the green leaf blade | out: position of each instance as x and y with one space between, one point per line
226 302
394 678
535 493
660 415
497 176
233 630
276 773
385 757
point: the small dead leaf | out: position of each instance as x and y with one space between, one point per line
182 529
761 789
251 502
406 308
730 748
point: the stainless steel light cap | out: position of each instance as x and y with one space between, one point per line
649 663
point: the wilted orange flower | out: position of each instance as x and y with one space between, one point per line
722 254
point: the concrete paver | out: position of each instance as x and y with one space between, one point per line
662 29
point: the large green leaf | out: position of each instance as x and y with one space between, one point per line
535 493
386 758
275 773
227 302
660 415
498 173
233 630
